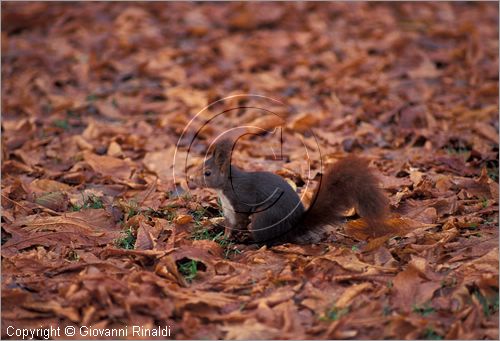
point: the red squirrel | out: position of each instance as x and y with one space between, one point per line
264 204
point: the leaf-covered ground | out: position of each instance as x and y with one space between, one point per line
96 230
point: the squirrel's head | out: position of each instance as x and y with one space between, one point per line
214 172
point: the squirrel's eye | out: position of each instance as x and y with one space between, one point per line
207 173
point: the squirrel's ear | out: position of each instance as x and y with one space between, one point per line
222 153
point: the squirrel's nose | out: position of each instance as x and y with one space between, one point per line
191 182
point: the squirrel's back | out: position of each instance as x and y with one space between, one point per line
274 208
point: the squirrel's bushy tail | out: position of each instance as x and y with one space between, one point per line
347 183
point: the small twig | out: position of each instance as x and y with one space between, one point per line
149 191
16 203
43 208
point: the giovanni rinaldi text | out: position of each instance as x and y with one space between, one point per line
84 331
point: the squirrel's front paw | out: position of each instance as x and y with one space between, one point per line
228 232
